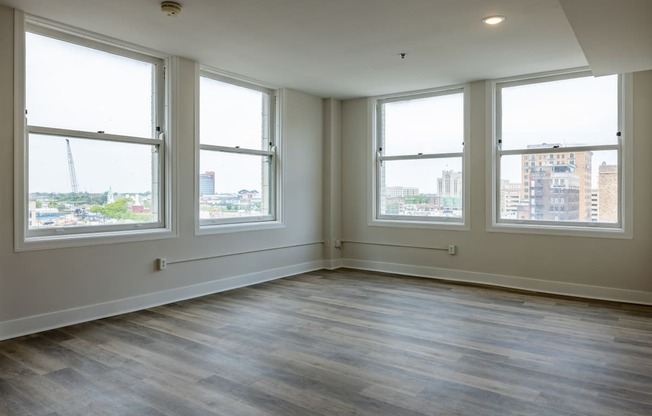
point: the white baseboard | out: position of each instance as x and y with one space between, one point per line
513 282
37 323
58 319
333 264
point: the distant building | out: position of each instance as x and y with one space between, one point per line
510 198
595 205
400 191
207 183
450 184
573 169
248 195
608 193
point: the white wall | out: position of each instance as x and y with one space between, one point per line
42 289
325 197
595 267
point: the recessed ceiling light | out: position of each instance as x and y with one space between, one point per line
493 20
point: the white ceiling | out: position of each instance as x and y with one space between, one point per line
616 36
341 48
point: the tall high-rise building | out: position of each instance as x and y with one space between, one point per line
207 183
544 173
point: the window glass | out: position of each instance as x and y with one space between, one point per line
225 195
569 112
94 159
424 125
232 116
79 88
236 153
420 150
570 128
426 187
114 182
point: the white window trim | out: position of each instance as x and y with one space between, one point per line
439 223
26 241
623 230
278 102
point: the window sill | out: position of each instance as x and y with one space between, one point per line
418 223
562 231
238 227
51 242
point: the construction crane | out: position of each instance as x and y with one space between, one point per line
71 169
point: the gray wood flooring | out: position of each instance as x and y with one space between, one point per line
342 343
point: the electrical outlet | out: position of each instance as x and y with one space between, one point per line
161 263
452 249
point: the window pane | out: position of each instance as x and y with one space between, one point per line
424 125
233 116
78 88
233 185
115 182
571 112
563 186
425 187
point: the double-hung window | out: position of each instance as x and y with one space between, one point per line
559 152
237 153
94 146
419 158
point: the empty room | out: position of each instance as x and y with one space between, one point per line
309 207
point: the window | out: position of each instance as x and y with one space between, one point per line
572 122
420 158
237 152
93 141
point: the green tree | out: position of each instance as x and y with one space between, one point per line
118 209
416 199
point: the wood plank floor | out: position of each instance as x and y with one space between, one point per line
342 343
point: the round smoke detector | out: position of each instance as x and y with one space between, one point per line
171 8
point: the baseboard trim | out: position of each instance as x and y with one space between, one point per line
38 323
333 264
512 282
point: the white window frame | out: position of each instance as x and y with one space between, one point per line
275 102
376 158
623 228
52 238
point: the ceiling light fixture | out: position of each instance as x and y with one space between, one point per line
493 20
171 8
